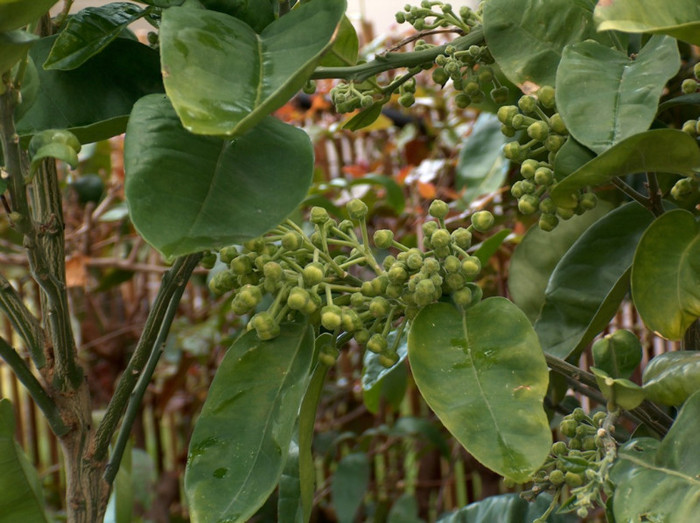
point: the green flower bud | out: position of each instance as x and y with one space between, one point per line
250 296
463 100
689 127
472 89
254 245
331 317
361 336
528 204
440 76
471 267
538 131
367 289
512 151
559 448
588 201
565 213
430 266
548 222
544 176
241 265
394 290
265 326
485 76
313 274
683 188
400 17
273 271
546 96
388 360
379 307
557 124
521 121
556 477
568 427
208 260
318 215
407 99
482 221
227 254
350 320
573 480
462 297
415 261
298 298
505 114
696 71
527 104
499 94
579 414
507 131
454 281
438 209
291 241
377 343
440 238
554 142
383 238
528 168
429 228
452 264
689 86
517 189
309 87
575 444
598 418
462 238
222 282
366 101
357 209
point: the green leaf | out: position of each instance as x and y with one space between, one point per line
258 14
484 375
364 118
506 508
481 167
88 32
526 38
404 510
22 498
571 157
680 18
223 78
618 354
349 485
590 281
666 274
121 501
604 96
289 509
190 192
394 193
670 378
662 150
537 255
490 245
685 99
94 100
13 46
412 426
241 439
17 13
344 50
379 381
619 391
658 481
60 151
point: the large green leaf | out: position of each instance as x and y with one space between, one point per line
482 167
349 485
536 256
506 508
257 14
618 354
589 282
189 192
526 38
88 32
241 439
666 274
484 375
380 382
94 100
661 150
344 50
223 78
21 498
570 158
604 96
17 13
13 46
670 378
679 18
658 481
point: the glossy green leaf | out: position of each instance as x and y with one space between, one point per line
484 375
190 192
618 354
344 50
223 78
670 378
661 150
685 99
404 510
589 282
22 498
680 18
364 118
481 167
88 32
17 13
537 255
506 508
490 245
380 382
619 391
241 439
666 274
94 100
257 14
658 481
13 46
60 151
349 485
604 96
526 38
570 158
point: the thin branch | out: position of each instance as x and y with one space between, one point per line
23 321
136 398
390 61
655 204
35 389
175 279
629 191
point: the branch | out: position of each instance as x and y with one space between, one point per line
655 204
390 61
40 396
23 321
173 282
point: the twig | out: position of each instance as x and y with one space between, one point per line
655 204
35 389
173 280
